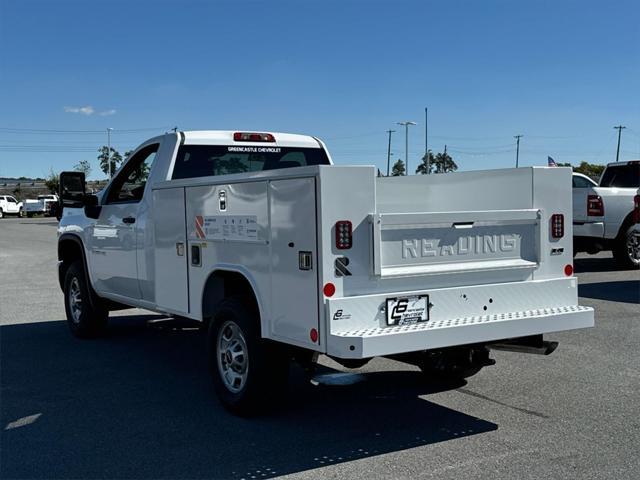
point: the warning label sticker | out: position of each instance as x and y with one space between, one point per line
227 227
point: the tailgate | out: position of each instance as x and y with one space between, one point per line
447 242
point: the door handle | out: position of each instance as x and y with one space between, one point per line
128 220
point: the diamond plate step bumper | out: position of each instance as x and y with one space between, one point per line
375 342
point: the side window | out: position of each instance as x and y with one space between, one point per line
128 186
579 182
11 200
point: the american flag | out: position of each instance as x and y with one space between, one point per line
551 162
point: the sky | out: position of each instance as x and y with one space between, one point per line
560 73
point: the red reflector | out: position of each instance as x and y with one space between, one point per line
557 225
344 234
253 137
313 335
329 289
568 270
595 207
636 209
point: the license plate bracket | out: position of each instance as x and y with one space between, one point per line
407 310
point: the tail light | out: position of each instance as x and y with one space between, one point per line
344 234
595 207
636 209
253 137
557 225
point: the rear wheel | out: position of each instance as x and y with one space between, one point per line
626 250
249 373
84 317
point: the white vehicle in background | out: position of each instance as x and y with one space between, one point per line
10 206
43 205
283 255
606 216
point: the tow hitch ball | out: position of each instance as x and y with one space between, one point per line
532 344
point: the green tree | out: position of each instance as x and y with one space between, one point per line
443 163
422 167
398 169
591 170
83 166
439 163
52 182
103 158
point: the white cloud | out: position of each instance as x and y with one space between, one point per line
86 110
106 113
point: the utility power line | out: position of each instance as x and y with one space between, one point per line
517 137
39 131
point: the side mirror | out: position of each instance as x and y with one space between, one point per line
92 206
72 189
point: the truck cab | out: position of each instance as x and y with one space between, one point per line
9 206
606 215
282 255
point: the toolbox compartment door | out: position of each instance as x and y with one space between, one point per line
446 242
171 255
294 260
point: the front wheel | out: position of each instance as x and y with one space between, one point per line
1 213
249 373
626 250
85 319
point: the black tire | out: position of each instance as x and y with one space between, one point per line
454 365
1 213
626 249
258 379
86 319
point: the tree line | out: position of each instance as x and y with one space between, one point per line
430 163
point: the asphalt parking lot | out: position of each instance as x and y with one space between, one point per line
138 403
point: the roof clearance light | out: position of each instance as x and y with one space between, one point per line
253 137
557 225
344 234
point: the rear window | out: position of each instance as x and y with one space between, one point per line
622 176
207 160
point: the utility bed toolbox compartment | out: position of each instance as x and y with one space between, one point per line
444 242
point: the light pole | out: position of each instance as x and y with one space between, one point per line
389 151
406 143
109 150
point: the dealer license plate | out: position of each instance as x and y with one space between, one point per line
407 310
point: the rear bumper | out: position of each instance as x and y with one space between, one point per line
589 229
459 331
357 325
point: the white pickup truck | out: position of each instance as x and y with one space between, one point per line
606 216
43 205
282 256
9 206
